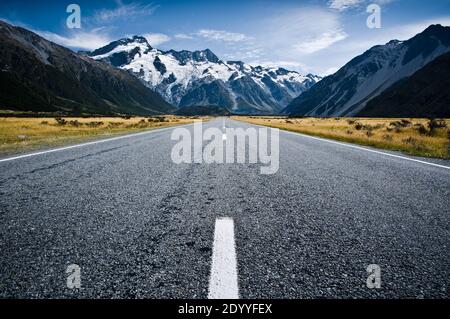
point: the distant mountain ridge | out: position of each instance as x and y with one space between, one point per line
38 75
350 89
187 78
203 110
128 76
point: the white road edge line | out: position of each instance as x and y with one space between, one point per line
89 143
223 282
357 147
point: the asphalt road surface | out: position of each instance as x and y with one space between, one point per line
141 226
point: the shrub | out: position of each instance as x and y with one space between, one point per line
94 124
349 132
60 121
387 137
351 122
369 133
421 129
359 126
114 124
44 123
141 124
410 140
378 126
401 123
396 123
405 123
434 124
75 123
368 127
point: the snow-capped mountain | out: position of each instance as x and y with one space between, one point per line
347 92
186 78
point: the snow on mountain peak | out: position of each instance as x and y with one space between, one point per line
176 74
347 92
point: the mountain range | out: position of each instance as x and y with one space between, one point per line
128 76
186 78
352 88
38 75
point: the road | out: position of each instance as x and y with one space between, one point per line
141 226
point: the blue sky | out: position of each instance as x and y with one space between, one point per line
316 36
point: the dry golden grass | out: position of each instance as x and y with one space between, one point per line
24 134
378 133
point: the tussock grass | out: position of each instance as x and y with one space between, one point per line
420 137
25 134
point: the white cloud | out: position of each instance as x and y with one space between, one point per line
342 5
320 42
305 31
80 40
330 71
279 63
216 35
384 35
244 53
156 39
183 36
125 11
344 51
382 2
221 35
407 31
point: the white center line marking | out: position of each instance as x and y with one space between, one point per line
223 283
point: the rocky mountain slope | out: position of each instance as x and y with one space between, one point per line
347 92
38 75
187 78
424 94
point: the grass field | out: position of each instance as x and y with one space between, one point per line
419 137
25 134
